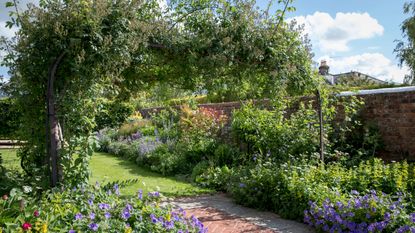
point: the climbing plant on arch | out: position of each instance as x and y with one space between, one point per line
67 53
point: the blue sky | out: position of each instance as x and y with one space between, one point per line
354 35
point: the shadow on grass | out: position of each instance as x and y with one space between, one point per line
169 186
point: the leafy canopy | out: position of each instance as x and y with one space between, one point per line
107 47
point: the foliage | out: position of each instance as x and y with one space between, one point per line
372 212
141 126
112 113
9 116
75 50
91 209
405 48
271 132
287 188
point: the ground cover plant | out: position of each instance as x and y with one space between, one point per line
91 209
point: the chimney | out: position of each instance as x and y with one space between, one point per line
324 68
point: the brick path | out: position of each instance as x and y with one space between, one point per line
220 222
221 215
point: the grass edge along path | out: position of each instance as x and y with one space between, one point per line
109 168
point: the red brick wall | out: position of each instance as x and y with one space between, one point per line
393 113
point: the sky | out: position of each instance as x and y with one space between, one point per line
351 35
354 35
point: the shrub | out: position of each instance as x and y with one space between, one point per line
287 188
217 178
266 131
112 113
9 118
199 169
130 128
91 209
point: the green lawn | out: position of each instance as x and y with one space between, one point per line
108 168
9 158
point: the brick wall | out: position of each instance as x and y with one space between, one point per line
392 110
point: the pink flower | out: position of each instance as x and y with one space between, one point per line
26 226
36 213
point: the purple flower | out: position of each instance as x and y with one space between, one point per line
103 206
116 189
93 226
153 218
140 194
90 202
107 215
412 217
92 216
154 194
78 216
242 185
125 214
71 231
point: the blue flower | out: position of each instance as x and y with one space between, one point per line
140 194
242 185
78 216
93 226
125 214
154 194
153 218
103 206
116 189
412 217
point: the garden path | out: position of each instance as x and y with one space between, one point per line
221 215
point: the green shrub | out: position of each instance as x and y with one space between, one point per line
199 169
9 119
141 125
271 132
112 113
287 188
216 178
225 154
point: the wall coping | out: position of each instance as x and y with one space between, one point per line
378 91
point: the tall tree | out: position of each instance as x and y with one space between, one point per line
68 51
406 49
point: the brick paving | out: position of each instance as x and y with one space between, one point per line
220 222
221 215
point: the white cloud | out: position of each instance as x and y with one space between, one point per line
373 64
334 34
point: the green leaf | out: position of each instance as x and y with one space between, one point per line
9 4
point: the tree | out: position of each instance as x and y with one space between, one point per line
68 52
406 49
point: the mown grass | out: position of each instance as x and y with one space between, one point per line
108 168
10 159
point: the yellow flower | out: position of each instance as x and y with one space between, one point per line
128 230
44 228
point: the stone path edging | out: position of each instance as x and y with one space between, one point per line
204 205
